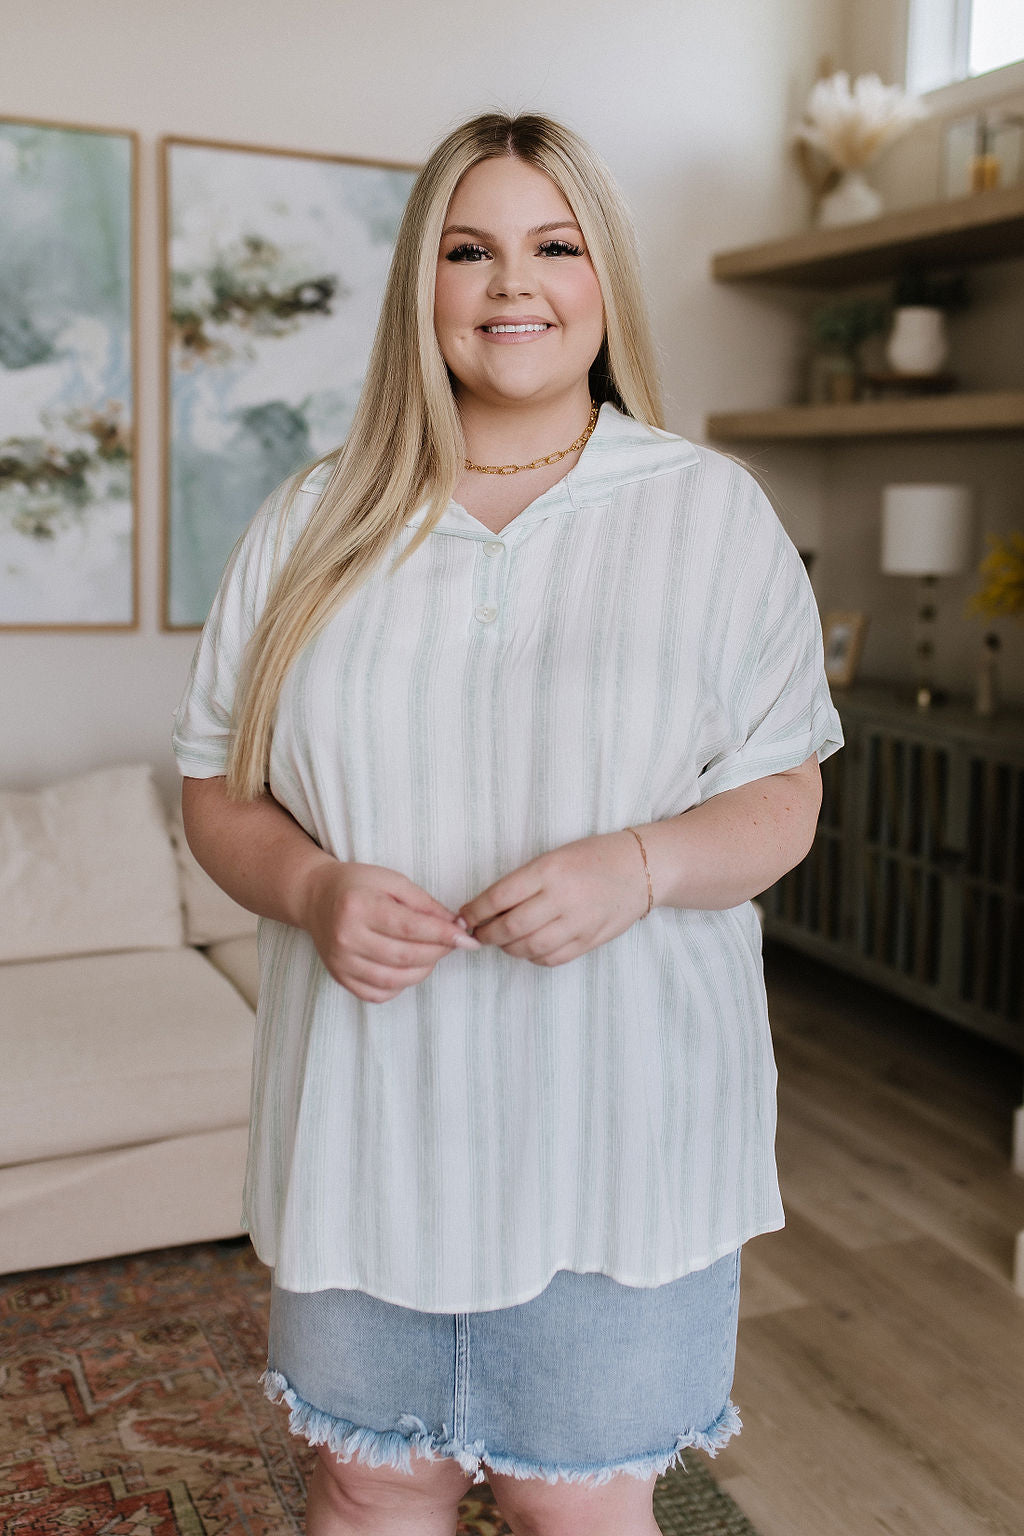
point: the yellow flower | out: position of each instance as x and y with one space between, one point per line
1002 570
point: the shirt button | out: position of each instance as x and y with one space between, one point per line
485 612
493 547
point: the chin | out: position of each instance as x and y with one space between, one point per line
523 390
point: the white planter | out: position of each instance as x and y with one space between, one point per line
850 201
917 342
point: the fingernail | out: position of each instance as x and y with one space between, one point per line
466 941
462 922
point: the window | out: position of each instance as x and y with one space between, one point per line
951 40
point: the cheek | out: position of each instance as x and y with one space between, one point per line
454 298
583 300
442 301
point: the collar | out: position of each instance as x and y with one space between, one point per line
618 451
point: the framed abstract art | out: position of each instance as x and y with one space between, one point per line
275 263
68 549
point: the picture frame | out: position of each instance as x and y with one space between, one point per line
274 264
843 635
68 370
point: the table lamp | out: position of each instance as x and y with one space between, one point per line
926 532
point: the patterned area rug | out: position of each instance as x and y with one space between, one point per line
130 1406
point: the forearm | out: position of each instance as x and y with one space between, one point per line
735 845
254 850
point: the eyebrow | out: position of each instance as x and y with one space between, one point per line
483 234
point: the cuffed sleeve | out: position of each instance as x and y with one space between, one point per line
774 695
202 721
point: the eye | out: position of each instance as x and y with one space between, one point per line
467 253
560 248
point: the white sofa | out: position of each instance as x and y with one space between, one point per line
127 998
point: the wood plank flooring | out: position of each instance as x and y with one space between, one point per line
880 1359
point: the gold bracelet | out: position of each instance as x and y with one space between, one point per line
650 888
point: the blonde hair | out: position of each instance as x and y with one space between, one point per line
405 446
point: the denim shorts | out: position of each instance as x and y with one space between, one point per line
587 1379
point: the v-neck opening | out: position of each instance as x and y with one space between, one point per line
618 451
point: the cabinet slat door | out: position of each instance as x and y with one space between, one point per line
900 854
991 946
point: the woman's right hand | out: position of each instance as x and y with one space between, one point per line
375 930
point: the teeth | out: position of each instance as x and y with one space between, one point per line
499 330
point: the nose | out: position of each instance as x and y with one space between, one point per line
509 277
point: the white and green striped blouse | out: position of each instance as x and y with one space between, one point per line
642 636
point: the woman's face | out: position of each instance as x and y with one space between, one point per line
512 253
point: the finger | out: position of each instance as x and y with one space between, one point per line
519 922
562 955
401 957
542 942
411 895
369 994
388 977
396 921
505 893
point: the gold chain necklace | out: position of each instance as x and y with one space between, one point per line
551 458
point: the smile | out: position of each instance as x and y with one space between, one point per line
515 333
498 330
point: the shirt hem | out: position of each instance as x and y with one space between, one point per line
533 1290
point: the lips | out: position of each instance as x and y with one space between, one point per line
517 320
515 330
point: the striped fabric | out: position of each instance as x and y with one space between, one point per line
641 637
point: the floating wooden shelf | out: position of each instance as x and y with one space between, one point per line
985 226
995 411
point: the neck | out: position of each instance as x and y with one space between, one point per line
518 432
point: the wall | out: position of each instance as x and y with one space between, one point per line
688 102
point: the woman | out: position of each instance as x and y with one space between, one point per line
501 801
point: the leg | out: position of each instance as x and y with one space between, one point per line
349 1497
624 1506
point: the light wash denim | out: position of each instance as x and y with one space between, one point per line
588 1379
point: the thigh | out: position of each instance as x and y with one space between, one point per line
620 1504
384 1488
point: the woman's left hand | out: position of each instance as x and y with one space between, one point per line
563 903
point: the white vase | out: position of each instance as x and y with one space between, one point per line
917 342
850 201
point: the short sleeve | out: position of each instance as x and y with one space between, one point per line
772 690
202 722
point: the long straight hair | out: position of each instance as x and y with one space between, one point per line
406 446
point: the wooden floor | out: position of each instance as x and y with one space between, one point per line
880 1361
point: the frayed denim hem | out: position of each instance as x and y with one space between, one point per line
394 1448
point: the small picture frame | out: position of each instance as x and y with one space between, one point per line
843 636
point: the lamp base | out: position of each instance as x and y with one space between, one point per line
926 697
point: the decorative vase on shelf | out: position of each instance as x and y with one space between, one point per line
918 342
850 201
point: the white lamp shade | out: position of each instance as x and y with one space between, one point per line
926 529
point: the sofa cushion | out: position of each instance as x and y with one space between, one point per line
210 913
87 866
111 1050
239 961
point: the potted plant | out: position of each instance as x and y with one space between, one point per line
918 343
840 328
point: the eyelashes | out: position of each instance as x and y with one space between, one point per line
471 252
